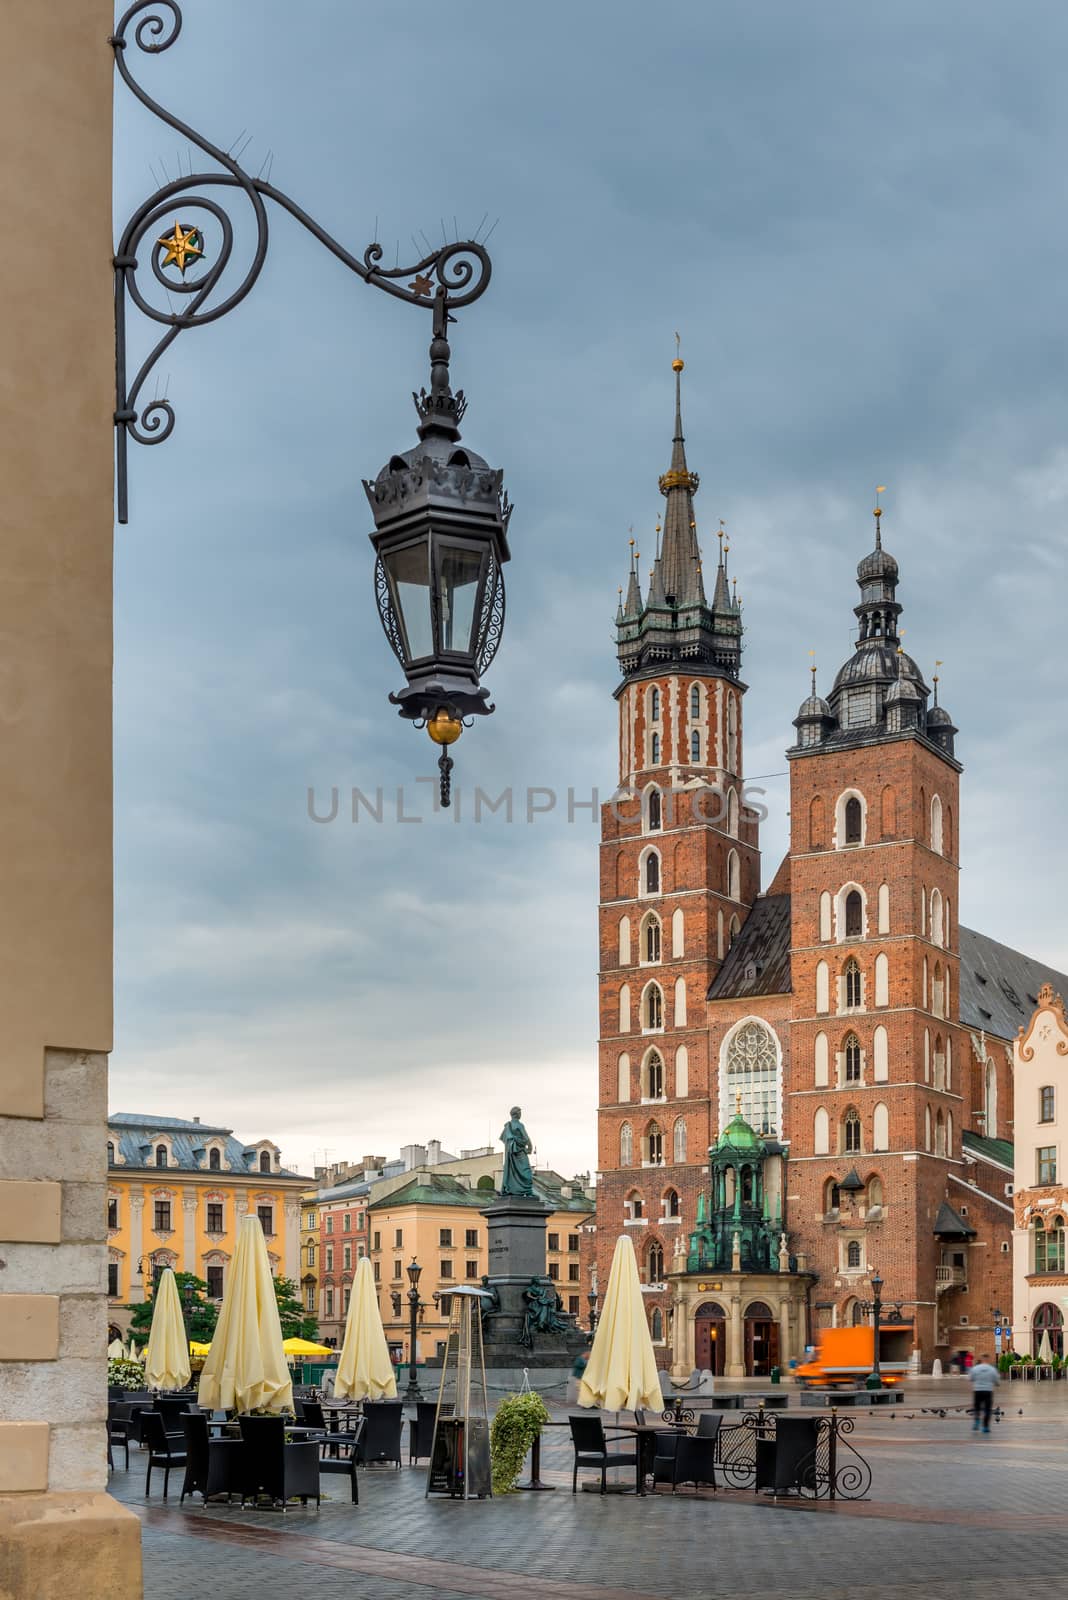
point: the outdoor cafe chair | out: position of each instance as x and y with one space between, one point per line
164 1449
172 1408
380 1436
336 1438
213 1466
695 1461
708 1424
667 1444
346 1464
421 1429
274 1468
119 1429
591 1450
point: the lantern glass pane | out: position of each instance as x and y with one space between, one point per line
460 572
409 577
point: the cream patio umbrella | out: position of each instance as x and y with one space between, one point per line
621 1373
246 1366
364 1370
1045 1350
167 1357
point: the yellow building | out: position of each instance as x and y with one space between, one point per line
434 1218
309 1251
177 1192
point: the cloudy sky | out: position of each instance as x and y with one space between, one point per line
855 217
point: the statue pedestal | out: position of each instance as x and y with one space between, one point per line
516 1226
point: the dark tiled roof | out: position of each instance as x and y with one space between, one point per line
999 1150
441 1189
949 1224
998 986
187 1141
758 962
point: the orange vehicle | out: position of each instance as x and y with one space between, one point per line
845 1357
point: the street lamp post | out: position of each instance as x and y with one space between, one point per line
592 1298
876 1380
413 1392
441 512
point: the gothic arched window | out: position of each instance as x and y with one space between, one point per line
853 986
654 748
161 1155
671 1203
678 1152
695 701
854 821
654 1145
853 1253
653 811
651 942
626 1146
854 914
852 1058
653 1086
655 1264
654 1007
652 873
749 1066
695 745
656 1325
851 1131
265 1161
654 704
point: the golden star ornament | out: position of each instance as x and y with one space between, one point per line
183 247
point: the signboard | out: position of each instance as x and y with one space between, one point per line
997 1341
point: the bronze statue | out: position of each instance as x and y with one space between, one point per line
489 1304
517 1178
544 1312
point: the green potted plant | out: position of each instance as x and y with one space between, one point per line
518 1422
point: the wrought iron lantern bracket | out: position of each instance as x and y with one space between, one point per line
442 281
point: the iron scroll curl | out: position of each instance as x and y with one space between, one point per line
443 280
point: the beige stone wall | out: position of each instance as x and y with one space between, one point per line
59 1533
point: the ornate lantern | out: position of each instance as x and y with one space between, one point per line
441 539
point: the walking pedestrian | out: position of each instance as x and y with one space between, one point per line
984 1379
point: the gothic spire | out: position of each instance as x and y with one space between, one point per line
680 556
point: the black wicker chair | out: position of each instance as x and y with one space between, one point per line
119 1430
271 1467
695 1461
164 1449
213 1466
421 1429
380 1436
345 1464
666 1445
591 1450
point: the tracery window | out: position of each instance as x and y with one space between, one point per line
853 990
851 1131
752 1071
851 1054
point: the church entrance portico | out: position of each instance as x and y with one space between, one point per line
737 1326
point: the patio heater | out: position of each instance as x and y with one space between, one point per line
460 1454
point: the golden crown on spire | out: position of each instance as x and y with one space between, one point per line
678 363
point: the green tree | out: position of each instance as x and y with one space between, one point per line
200 1318
296 1322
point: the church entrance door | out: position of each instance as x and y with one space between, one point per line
761 1341
710 1338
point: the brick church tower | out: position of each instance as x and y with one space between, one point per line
877 1090
679 870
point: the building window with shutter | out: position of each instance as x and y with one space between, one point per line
214 1276
161 1216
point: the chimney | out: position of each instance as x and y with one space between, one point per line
196 1119
433 1152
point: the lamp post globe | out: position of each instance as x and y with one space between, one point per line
413 1393
441 540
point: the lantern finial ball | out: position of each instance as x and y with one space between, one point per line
443 728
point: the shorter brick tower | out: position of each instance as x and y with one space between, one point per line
679 870
878 1091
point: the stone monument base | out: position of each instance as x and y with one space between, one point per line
53 1546
516 1226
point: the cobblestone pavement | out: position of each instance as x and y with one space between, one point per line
950 1513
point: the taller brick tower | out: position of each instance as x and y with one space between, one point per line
679 870
877 1092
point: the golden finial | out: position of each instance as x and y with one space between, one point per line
738 1104
678 363
880 488
812 669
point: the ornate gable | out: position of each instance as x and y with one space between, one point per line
1046 1021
